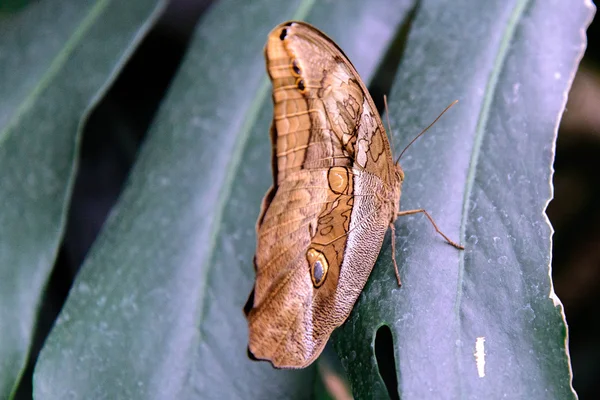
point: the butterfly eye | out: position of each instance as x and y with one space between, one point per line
318 267
400 173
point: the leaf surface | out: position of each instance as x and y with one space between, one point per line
484 172
157 308
54 60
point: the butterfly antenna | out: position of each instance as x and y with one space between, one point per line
425 130
387 114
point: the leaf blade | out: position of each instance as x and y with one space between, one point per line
44 48
465 166
166 259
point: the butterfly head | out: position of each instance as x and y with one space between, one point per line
399 172
394 198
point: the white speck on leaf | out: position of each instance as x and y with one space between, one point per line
480 356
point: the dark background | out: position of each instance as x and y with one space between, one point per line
117 127
575 216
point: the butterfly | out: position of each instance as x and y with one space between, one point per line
336 190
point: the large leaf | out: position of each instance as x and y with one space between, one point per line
484 172
54 59
156 311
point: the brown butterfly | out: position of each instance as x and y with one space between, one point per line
336 190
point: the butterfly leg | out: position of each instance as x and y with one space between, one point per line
420 210
394 253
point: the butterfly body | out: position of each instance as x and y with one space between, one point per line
336 190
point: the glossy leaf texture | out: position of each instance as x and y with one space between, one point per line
55 59
484 172
156 311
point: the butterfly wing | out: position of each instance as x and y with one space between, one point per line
324 115
322 224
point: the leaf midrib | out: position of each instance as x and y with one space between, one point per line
55 66
250 120
480 130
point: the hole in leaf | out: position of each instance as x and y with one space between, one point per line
384 353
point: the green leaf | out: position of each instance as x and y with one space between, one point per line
484 173
10 6
157 308
54 59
